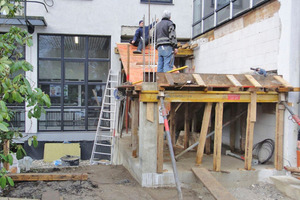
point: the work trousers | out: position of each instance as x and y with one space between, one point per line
165 58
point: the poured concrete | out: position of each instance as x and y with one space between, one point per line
232 169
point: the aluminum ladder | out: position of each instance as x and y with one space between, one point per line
102 152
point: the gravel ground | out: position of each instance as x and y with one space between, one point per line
115 182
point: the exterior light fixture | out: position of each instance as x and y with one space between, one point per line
76 40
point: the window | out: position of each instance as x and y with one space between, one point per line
207 14
72 70
158 1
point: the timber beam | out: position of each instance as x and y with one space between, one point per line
209 96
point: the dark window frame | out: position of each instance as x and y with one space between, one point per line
215 13
158 1
86 83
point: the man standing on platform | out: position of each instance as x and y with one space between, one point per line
166 43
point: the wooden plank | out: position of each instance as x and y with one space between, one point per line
49 177
278 158
186 126
253 81
214 187
199 80
282 81
253 106
128 62
233 125
203 133
249 137
134 127
172 119
218 137
234 81
169 78
150 111
160 142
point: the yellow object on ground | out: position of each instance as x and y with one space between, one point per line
54 151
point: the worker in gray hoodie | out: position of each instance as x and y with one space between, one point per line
166 42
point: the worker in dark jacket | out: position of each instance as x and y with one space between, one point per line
138 36
166 43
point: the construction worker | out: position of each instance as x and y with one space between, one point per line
138 37
166 42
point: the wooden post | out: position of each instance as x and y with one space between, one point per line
6 152
208 140
134 127
218 136
251 119
203 133
233 112
278 158
186 126
128 62
160 142
243 122
172 124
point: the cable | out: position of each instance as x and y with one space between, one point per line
49 3
265 147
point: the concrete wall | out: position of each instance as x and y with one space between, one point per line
288 66
267 37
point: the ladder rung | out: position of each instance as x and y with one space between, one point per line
103 153
107 145
111 104
104 127
106 119
108 111
109 136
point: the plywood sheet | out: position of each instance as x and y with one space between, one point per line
54 151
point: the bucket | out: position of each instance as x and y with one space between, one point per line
70 160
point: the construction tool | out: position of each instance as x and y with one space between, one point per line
229 153
295 117
164 115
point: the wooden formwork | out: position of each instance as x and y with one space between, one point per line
215 89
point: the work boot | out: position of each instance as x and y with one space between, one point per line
137 51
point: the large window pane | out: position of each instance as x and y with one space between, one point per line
74 71
93 117
74 95
257 2
197 10
223 14
197 29
222 3
74 119
209 7
95 94
74 46
208 23
49 46
54 91
98 71
17 122
99 47
51 120
50 70
240 6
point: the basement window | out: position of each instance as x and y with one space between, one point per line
157 1
208 14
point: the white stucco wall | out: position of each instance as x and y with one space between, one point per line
97 17
288 66
255 45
